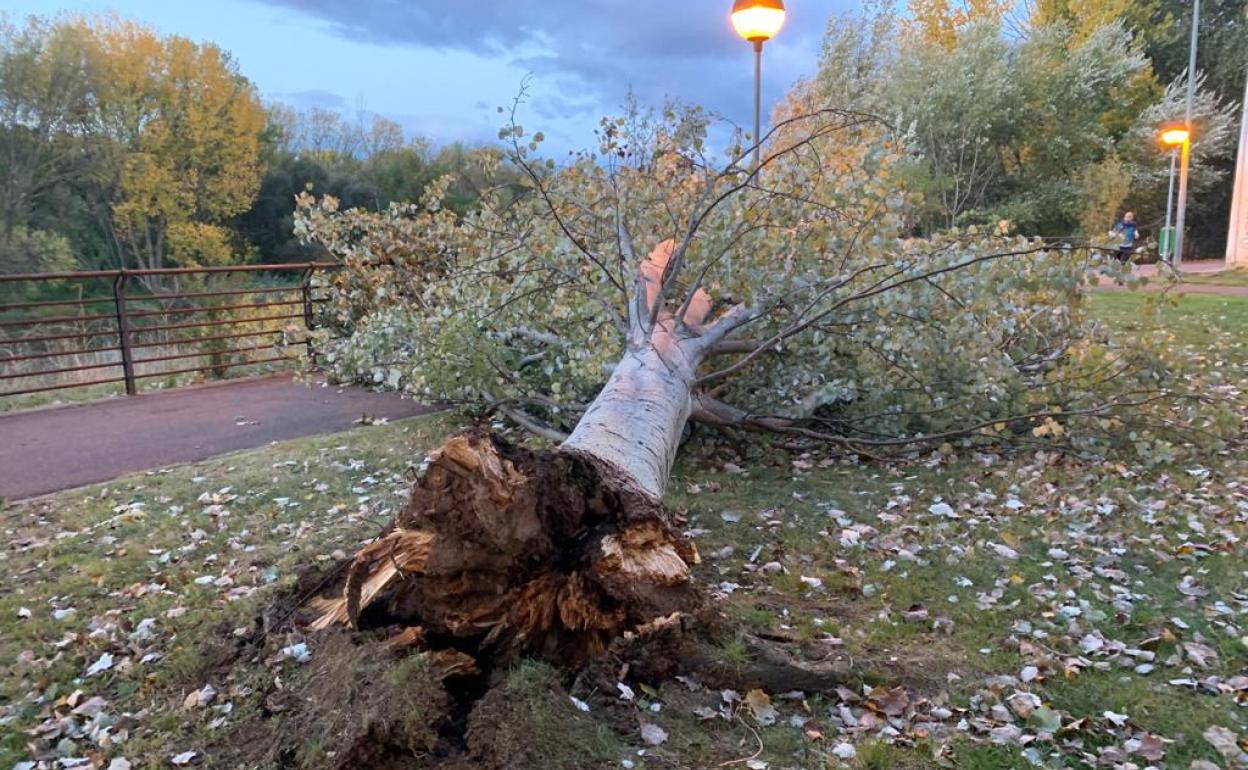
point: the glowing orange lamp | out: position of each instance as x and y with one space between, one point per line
757 21
1176 135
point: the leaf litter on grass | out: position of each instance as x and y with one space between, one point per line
1069 614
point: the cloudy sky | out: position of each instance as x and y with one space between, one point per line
442 67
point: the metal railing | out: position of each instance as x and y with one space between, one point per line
133 325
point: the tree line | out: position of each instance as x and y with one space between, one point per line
121 147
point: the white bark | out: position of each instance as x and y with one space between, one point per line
635 423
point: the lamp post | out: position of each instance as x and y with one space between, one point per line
1178 134
758 21
1169 233
1180 223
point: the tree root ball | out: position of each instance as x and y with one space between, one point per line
505 552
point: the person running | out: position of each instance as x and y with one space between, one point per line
1127 231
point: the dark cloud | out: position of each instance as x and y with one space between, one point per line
593 51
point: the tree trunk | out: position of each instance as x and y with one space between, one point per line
635 423
505 551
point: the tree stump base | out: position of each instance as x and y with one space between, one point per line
503 551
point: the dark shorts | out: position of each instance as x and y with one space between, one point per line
1125 252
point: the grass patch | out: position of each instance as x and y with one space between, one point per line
1232 277
1209 327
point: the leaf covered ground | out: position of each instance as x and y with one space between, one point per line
988 611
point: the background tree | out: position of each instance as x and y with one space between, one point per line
125 147
940 22
368 165
45 140
1023 126
1162 28
187 127
1149 19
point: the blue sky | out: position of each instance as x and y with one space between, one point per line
441 67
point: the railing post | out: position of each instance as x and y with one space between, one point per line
306 290
123 331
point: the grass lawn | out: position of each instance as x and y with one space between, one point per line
1209 330
990 612
1234 277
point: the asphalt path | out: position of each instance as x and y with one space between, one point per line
48 450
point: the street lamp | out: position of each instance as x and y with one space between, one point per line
757 21
1180 225
1178 134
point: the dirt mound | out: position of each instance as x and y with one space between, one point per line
351 706
359 703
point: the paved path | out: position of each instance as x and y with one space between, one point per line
47 450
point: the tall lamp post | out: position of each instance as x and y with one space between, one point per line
1180 223
1168 247
758 21
1177 134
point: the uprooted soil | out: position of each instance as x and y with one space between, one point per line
358 703
413 652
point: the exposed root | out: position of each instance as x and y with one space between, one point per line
516 552
677 645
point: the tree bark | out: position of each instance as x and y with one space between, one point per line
635 423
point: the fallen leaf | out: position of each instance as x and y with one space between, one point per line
652 734
1200 654
1117 719
1005 552
103 663
891 702
1225 742
1046 720
1152 748
1024 703
90 707
759 704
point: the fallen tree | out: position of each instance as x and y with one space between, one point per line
785 286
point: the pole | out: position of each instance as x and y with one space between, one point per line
758 100
1184 161
123 332
1237 234
1191 60
1181 219
1169 208
305 292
